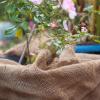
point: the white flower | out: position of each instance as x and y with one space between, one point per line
84 29
72 14
65 25
37 2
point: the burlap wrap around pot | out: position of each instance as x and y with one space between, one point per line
67 77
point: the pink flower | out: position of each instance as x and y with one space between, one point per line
31 25
69 6
53 24
37 2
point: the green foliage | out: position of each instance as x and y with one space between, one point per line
2 8
21 12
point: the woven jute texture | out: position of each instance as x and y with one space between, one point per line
70 76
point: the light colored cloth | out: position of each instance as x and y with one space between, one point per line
67 77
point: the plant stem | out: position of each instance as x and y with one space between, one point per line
26 47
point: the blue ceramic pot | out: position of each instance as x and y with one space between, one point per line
88 48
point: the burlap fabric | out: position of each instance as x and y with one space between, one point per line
67 77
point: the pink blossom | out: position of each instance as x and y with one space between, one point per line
69 6
37 2
31 25
54 24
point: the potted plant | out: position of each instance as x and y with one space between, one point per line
56 17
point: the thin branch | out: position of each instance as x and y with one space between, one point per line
27 46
